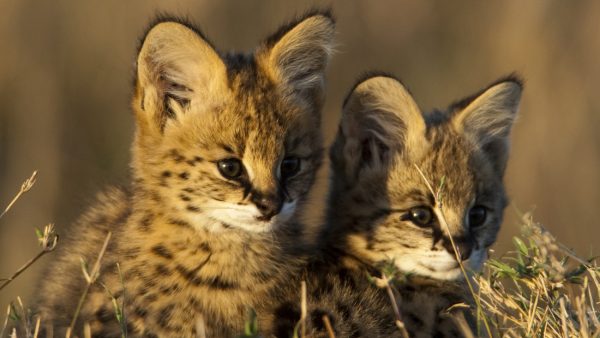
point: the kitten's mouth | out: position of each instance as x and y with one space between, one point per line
447 271
246 218
435 267
440 266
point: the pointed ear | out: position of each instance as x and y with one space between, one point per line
379 118
297 55
176 67
487 118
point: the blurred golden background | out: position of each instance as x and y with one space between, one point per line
66 72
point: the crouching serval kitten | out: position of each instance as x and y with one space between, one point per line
382 212
225 151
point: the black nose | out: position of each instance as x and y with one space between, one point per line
463 244
268 205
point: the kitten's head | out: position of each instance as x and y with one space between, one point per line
383 203
230 141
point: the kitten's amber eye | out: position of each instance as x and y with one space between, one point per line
421 216
289 167
230 168
477 216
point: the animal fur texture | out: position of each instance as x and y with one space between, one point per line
226 149
382 212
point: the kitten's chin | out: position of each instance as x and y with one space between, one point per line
246 219
442 267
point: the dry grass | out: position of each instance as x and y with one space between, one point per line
542 289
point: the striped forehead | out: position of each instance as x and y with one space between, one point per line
446 163
259 104
449 160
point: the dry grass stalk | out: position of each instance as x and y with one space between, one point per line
48 241
37 327
87 330
541 289
25 187
5 325
328 326
200 327
90 279
461 322
303 310
386 283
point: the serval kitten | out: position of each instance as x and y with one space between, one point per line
381 210
226 148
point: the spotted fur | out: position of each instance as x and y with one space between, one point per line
193 243
383 141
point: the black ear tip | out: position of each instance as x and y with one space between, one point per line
369 75
322 12
513 77
162 17
326 12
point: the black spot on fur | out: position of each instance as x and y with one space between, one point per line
417 322
143 290
215 282
179 222
169 289
176 156
166 173
344 310
192 208
219 284
131 253
104 315
205 246
146 222
151 297
287 316
184 175
130 328
162 270
106 333
164 316
191 275
184 198
161 251
356 332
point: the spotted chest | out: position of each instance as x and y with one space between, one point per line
174 276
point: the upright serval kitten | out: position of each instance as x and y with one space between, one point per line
381 210
226 148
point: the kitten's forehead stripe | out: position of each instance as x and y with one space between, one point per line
449 160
